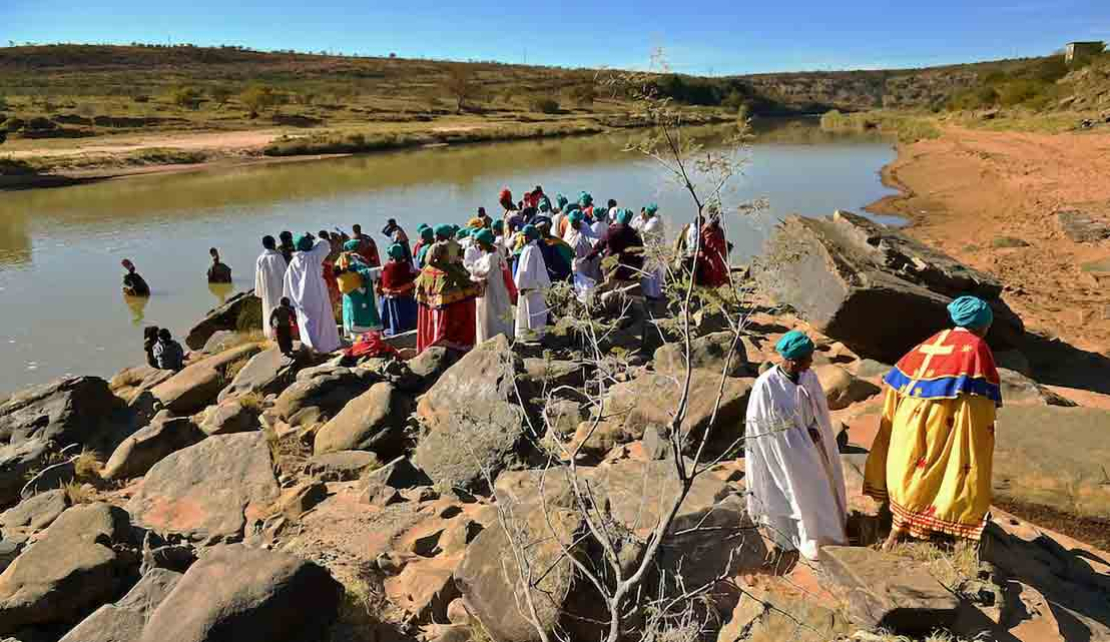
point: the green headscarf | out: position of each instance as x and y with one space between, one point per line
795 345
624 217
576 216
427 234
304 243
545 204
585 200
484 236
462 233
396 252
651 209
351 246
970 312
444 231
561 201
530 232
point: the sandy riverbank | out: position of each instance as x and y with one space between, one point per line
976 194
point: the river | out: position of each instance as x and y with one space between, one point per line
60 249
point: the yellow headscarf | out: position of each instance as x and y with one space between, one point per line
476 223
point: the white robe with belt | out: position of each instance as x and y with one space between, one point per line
305 287
269 279
494 307
795 486
651 230
531 280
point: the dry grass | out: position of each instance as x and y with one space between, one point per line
79 493
809 623
360 611
252 402
289 453
950 564
87 465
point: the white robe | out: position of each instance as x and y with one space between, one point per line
305 287
652 232
795 488
471 253
269 279
494 307
531 280
582 245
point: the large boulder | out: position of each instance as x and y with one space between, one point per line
843 389
34 514
883 592
341 466
472 417
651 400
208 492
228 418
268 372
139 452
846 275
74 410
131 382
320 393
706 353
200 383
1053 456
246 595
242 312
81 561
375 420
124 620
18 463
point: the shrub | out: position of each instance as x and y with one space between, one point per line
187 97
220 94
257 98
583 95
544 105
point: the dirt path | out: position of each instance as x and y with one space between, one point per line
971 193
230 142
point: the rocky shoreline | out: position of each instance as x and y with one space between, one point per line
256 497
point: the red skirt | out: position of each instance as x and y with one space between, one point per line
452 326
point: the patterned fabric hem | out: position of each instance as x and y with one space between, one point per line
922 526
442 300
878 494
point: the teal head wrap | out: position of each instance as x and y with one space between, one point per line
396 252
484 236
545 204
498 227
304 243
462 233
624 217
576 216
795 345
444 231
427 234
530 232
651 209
351 246
585 200
423 226
561 202
970 312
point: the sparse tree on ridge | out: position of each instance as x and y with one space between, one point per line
461 83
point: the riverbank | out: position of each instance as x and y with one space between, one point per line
992 198
30 164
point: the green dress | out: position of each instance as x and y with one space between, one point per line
360 309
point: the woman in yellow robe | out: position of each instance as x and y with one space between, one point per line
933 455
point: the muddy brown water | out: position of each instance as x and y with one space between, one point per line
60 249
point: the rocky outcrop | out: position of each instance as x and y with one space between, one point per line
842 389
846 275
883 592
1081 227
651 400
706 353
268 372
33 515
18 462
246 595
208 492
241 312
472 419
129 383
74 410
375 420
228 418
200 383
81 561
341 466
124 620
320 393
139 452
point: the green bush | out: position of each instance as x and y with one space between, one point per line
583 95
257 98
187 97
544 105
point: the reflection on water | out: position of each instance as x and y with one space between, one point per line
65 313
221 291
137 304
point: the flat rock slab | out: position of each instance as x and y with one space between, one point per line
1081 227
210 491
344 465
884 592
241 312
69 410
124 621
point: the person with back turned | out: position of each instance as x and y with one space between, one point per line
269 280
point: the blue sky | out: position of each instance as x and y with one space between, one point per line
699 36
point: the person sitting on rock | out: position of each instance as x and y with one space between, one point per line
150 338
218 272
795 483
168 353
931 460
133 284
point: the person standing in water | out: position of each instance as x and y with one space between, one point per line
133 284
218 272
